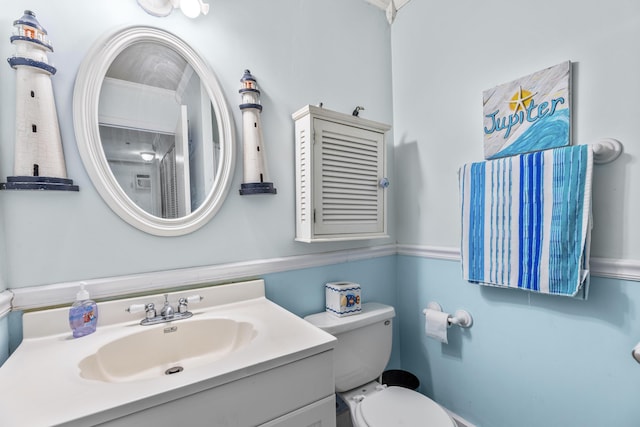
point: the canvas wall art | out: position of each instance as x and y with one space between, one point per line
531 113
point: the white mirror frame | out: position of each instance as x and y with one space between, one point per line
85 121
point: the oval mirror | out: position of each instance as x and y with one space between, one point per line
153 130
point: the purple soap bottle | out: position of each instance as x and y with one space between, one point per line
83 315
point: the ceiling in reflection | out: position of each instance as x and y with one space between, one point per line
149 64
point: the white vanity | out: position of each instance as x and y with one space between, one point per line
239 361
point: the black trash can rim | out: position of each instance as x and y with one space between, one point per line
400 378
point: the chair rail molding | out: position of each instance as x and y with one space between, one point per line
622 269
37 297
5 303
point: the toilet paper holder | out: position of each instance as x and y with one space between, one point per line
460 318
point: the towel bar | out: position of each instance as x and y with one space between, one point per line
606 150
636 352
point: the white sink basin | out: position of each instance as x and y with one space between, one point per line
166 349
235 334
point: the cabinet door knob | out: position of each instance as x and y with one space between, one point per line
384 182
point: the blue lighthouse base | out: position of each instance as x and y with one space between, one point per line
257 188
38 183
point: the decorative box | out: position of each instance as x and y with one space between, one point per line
342 298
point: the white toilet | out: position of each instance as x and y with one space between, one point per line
360 356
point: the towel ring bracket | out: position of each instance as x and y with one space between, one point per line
606 150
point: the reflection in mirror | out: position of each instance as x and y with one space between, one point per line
144 164
161 152
152 102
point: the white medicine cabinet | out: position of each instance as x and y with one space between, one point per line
340 176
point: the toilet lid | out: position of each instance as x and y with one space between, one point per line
398 406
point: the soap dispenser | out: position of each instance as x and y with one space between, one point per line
83 315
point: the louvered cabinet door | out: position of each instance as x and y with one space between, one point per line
340 161
349 164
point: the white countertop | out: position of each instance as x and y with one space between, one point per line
41 382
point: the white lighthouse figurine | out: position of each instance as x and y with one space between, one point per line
255 179
39 159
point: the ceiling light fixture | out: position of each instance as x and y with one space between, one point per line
147 156
192 8
162 8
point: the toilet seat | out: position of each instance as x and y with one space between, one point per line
398 406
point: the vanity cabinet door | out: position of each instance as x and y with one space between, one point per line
297 394
319 414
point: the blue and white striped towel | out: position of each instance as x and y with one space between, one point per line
526 221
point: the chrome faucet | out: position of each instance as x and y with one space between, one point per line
167 310
168 313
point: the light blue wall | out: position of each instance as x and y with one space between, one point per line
4 339
528 360
299 291
301 51
445 54
302 291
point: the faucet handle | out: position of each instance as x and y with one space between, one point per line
150 310
194 299
182 305
183 302
136 308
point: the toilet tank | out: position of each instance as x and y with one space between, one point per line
364 343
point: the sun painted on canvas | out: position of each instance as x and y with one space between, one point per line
520 100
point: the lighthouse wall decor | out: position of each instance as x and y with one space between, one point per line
38 158
255 179
531 113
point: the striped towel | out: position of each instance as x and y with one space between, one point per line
526 221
